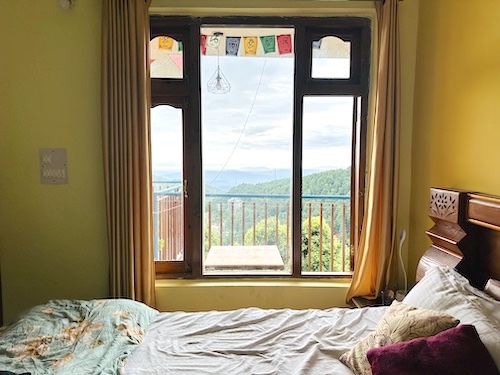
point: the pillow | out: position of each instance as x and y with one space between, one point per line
457 350
400 322
439 282
444 289
493 288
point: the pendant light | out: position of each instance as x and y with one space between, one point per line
218 83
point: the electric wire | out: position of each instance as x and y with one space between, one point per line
402 237
244 125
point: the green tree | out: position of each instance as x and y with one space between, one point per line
337 255
263 237
312 241
214 238
325 245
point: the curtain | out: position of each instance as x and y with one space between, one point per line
125 99
374 268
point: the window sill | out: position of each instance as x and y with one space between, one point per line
226 294
254 282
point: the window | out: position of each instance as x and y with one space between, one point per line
258 144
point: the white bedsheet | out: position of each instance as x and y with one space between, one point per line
252 341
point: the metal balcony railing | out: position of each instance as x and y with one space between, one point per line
260 220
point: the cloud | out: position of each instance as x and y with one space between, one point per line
252 125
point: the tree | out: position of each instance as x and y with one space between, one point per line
312 241
314 244
214 238
263 237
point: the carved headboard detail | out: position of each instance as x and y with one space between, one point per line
446 208
465 235
483 212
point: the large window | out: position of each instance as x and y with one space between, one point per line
258 144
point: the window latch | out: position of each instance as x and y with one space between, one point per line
184 188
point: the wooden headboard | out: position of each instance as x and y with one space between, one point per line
465 235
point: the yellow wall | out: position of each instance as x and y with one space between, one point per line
52 238
456 129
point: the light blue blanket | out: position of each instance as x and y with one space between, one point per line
74 337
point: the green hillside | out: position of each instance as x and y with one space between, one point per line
333 182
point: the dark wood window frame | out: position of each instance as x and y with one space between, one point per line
184 93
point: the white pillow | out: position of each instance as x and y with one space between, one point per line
439 282
493 288
444 289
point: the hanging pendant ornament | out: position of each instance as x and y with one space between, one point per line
218 83
65 4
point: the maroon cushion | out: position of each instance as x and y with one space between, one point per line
457 350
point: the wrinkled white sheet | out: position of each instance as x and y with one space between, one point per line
252 341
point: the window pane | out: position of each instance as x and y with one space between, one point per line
247 153
326 183
166 58
331 58
168 210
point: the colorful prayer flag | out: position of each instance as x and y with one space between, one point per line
214 40
165 42
317 44
232 45
268 43
250 44
203 44
284 43
177 59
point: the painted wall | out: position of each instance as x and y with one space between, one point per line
52 237
456 129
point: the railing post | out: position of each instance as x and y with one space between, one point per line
309 241
167 216
156 236
209 225
321 237
343 237
287 232
220 223
277 226
232 223
265 223
242 223
254 218
332 238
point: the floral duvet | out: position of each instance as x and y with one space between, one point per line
74 337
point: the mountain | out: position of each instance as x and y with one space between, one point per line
227 179
333 182
267 181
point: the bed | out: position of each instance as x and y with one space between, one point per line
449 323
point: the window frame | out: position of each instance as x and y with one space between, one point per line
184 93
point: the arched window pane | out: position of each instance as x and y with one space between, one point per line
166 58
167 163
331 58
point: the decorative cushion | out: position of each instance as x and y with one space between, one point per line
401 322
457 350
444 289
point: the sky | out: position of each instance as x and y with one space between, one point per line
251 126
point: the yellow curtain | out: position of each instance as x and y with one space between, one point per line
126 98
374 268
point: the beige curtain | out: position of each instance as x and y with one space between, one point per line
374 268
126 101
